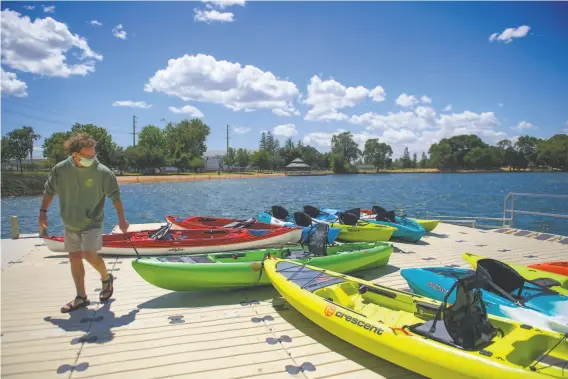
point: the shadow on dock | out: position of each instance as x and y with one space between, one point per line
337 345
374 273
97 324
199 299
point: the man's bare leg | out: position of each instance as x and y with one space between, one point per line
78 273
99 264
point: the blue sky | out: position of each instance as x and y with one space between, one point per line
406 73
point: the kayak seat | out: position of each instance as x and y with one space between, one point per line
337 295
311 211
302 219
240 224
464 324
386 216
294 254
279 212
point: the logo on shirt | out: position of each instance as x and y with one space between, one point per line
89 183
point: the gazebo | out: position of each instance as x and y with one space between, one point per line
298 165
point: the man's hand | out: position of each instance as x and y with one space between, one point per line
42 223
123 225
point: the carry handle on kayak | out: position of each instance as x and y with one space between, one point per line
230 255
364 288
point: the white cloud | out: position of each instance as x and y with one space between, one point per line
426 100
406 101
424 126
241 129
40 47
212 15
282 112
523 125
240 88
187 109
378 94
119 32
96 23
286 130
29 7
327 96
11 86
49 9
131 104
222 4
508 34
447 108
320 139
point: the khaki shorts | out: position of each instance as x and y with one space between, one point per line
88 240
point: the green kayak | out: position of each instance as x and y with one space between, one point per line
243 268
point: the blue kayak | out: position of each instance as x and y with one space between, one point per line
535 305
289 221
406 229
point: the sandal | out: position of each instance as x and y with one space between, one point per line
109 290
70 307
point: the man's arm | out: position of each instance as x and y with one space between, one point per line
50 189
112 191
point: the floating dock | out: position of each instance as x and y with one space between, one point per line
145 332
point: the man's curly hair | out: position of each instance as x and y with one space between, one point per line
77 142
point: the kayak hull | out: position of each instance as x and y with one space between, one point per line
196 242
243 269
527 273
560 268
374 321
201 222
363 233
428 225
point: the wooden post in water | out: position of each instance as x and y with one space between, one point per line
15 227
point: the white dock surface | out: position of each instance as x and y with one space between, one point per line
224 334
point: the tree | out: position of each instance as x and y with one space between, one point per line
19 142
197 163
262 145
377 153
414 160
289 145
526 146
53 146
272 144
152 137
337 163
243 158
554 152
7 154
441 155
423 161
261 160
484 158
230 158
32 137
185 141
345 145
311 156
406 161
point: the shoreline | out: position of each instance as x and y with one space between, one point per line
134 179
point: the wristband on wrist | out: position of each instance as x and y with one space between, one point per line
43 210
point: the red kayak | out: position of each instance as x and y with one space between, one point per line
166 241
199 222
555 267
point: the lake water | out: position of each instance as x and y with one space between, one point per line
417 195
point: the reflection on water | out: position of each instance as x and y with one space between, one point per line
418 195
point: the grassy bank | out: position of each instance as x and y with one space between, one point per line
28 184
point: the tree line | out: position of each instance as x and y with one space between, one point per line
182 145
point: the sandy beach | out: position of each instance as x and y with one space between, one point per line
189 178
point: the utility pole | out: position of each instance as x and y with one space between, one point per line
227 139
134 130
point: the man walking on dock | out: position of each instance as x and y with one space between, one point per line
82 183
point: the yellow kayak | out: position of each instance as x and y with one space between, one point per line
363 232
394 325
529 273
429 225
